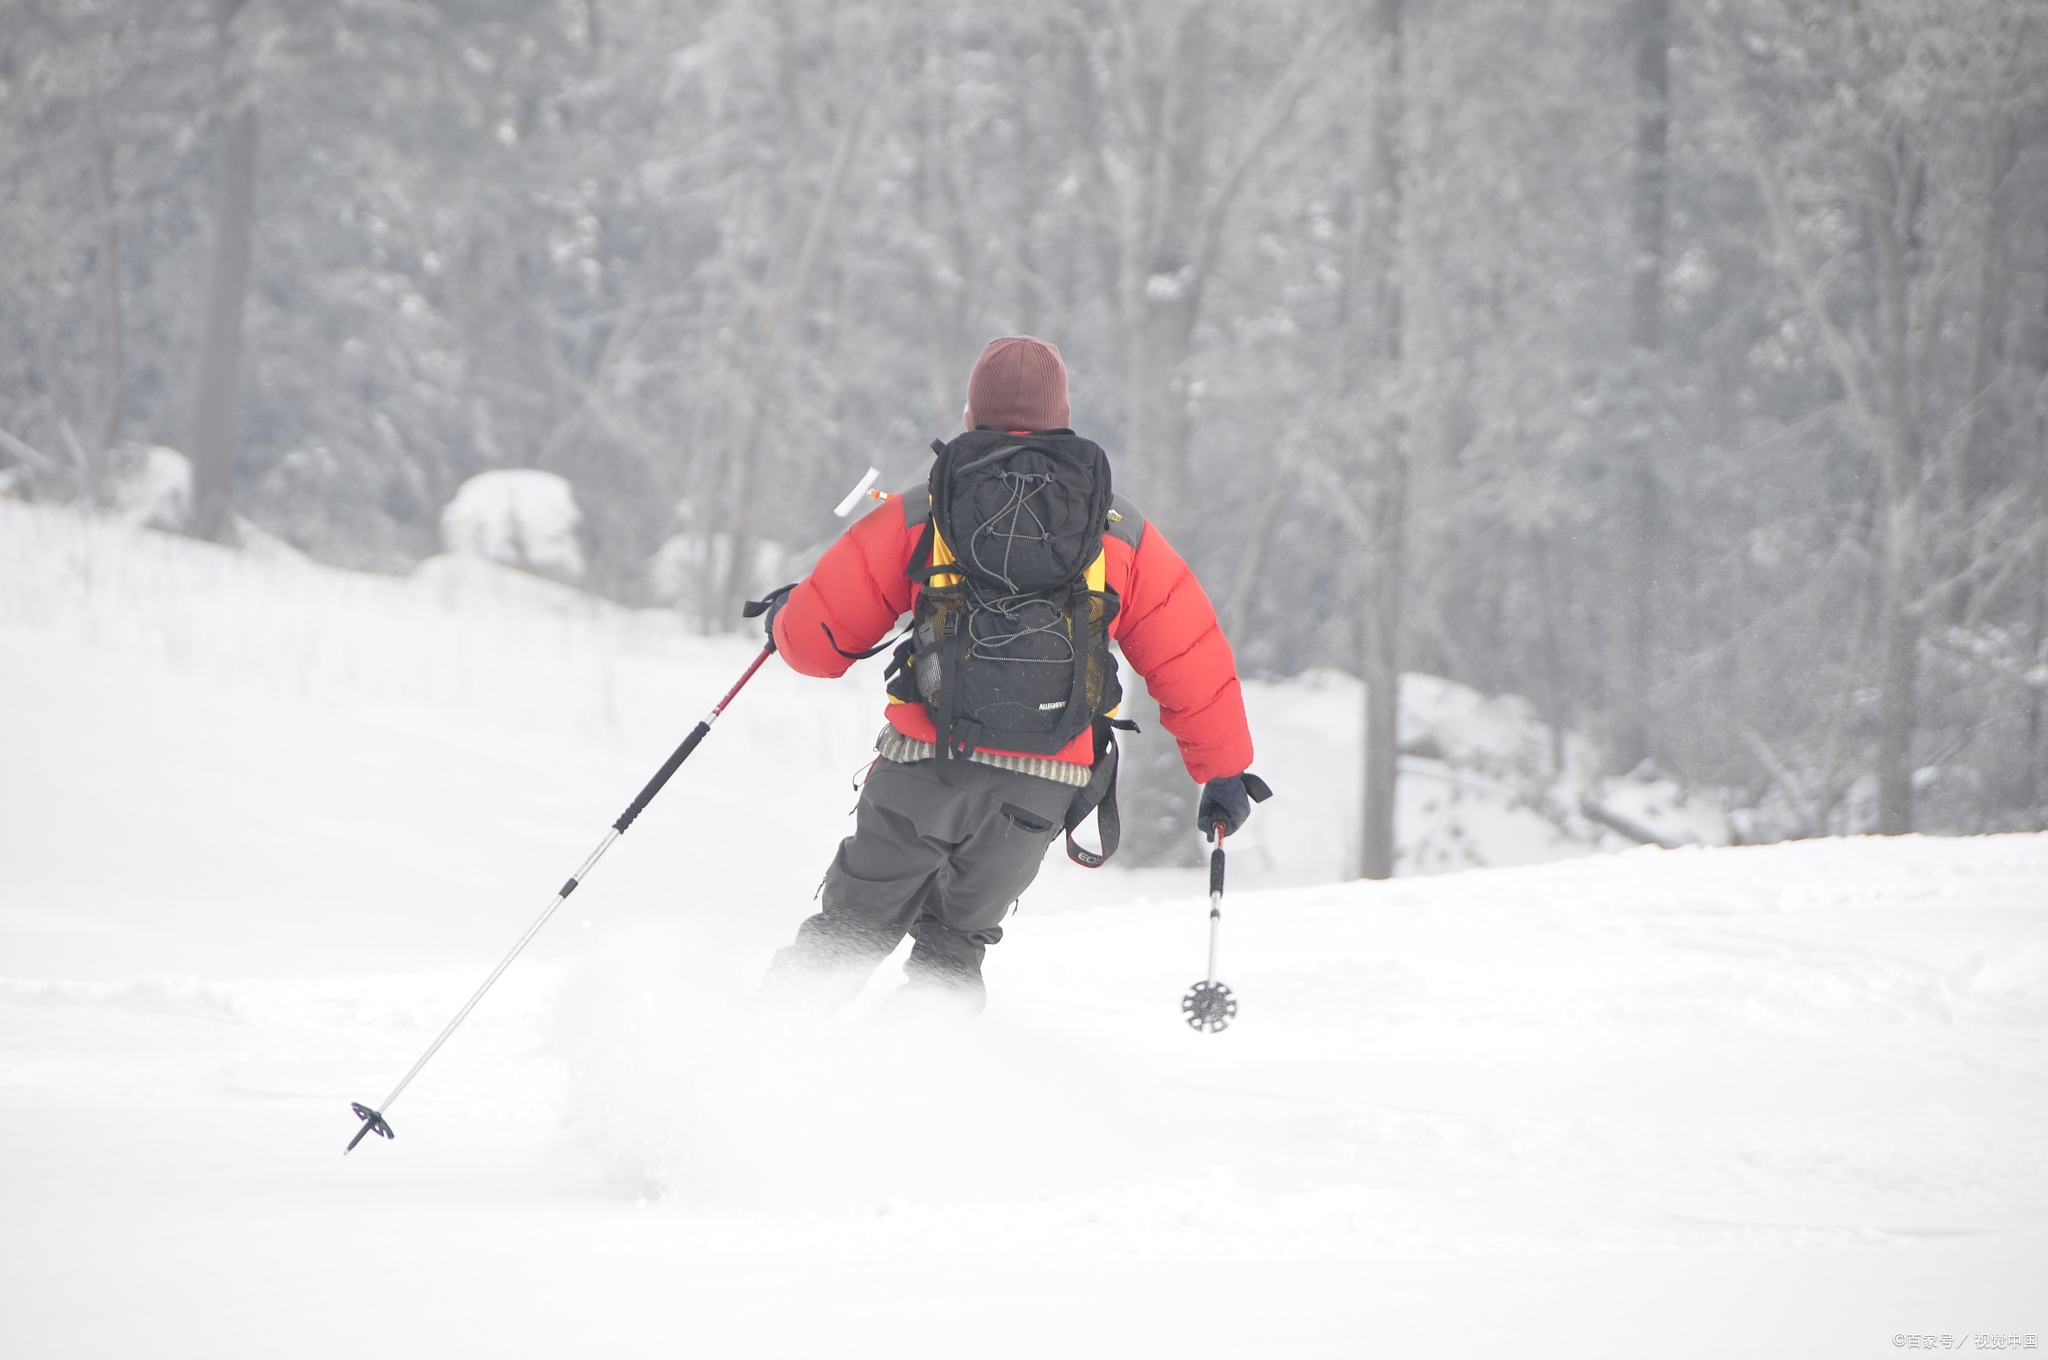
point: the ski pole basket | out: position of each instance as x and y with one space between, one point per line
1209 1007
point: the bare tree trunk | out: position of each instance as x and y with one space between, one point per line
1164 287
2032 358
940 299
1898 642
1380 562
2031 762
227 286
780 315
1886 412
1172 210
1982 474
1652 24
1987 361
1380 664
1251 567
1635 524
1160 297
1173 205
1897 177
1560 706
105 418
1157 406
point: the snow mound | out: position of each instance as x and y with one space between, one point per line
1485 783
156 489
518 516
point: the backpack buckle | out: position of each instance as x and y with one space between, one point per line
964 738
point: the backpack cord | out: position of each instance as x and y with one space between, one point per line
1023 487
1009 609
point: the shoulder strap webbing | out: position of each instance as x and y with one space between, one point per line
959 736
1099 797
1126 521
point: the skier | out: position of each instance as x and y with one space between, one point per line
1018 566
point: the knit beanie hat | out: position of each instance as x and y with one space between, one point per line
1018 383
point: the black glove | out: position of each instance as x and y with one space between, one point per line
1227 803
769 605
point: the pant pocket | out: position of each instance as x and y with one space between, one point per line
1035 823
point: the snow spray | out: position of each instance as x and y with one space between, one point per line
374 1120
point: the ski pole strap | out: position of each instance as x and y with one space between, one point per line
875 650
754 609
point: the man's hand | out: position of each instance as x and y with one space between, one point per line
1227 803
769 605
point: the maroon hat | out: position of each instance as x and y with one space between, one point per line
1018 383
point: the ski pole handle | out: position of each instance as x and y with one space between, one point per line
662 776
1216 866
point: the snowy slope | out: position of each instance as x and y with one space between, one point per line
265 824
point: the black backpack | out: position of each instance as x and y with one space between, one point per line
1008 647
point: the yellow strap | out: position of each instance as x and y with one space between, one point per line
941 555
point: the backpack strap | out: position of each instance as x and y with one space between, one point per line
959 736
1099 797
922 569
917 504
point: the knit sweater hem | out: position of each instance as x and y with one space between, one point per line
905 750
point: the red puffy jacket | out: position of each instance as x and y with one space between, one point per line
1165 625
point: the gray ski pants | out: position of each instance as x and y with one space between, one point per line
943 862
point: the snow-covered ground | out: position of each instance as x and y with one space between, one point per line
263 825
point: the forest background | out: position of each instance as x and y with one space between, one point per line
1681 365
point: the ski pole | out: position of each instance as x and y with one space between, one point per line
1209 1006
1215 901
374 1120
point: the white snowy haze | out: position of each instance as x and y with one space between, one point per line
266 823
1634 413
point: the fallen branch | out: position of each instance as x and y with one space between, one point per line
1810 822
28 455
1635 831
